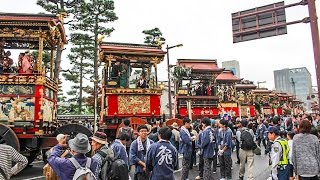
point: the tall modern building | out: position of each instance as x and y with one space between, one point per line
233 66
295 81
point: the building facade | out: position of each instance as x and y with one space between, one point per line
232 66
296 81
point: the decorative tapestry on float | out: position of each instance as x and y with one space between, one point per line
133 104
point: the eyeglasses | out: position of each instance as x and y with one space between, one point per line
143 131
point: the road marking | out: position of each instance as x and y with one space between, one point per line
36 162
39 177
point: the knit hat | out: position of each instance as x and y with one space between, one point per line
100 137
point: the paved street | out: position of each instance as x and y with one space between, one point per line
261 170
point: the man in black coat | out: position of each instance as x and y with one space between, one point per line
142 83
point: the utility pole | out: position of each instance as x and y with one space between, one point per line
293 83
169 78
315 39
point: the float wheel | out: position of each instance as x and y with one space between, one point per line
9 137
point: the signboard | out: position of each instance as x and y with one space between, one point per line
260 22
223 105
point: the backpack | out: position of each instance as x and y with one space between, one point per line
247 142
119 170
129 132
82 173
112 168
107 155
48 172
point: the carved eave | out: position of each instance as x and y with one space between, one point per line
131 52
22 31
200 65
20 79
198 97
227 76
263 91
284 95
245 86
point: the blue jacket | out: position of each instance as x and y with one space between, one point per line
63 167
198 143
227 141
136 156
208 142
220 135
261 131
120 151
173 140
185 147
99 159
162 157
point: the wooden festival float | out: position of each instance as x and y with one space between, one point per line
244 98
226 91
28 92
122 94
196 91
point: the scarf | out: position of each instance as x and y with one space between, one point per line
118 141
140 145
186 130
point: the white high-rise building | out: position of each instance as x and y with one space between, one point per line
232 66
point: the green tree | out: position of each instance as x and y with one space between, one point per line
82 68
90 19
63 7
62 108
58 7
154 37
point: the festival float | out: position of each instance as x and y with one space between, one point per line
129 85
244 98
196 92
226 91
28 91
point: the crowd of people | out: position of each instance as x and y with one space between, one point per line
292 144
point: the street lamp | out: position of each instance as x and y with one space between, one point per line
260 82
95 83
169 78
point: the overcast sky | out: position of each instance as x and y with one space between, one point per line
204 29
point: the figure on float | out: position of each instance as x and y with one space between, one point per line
27 63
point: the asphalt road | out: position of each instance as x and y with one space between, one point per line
261 170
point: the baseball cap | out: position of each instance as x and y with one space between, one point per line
244 123
273 129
